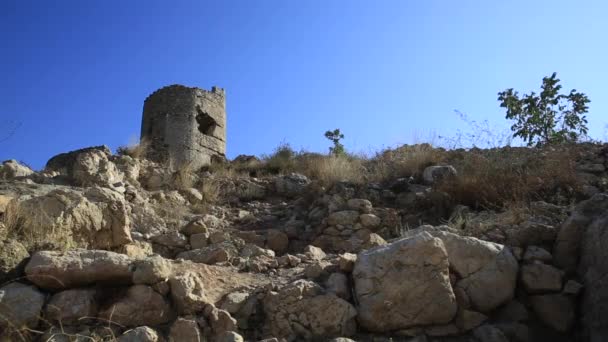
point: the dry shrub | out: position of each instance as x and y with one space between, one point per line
329 170
405 161
135 150
502 178
210 189
29 225
184 177
282 160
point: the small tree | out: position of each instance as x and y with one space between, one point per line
335 136
549 117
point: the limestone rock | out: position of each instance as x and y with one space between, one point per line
343 217
221 321
555 310
185 330
593 266
277 241
541 278
139 334
489 333
20 306
404 284
568 243
77 268
534 253
337 283
359 204
13 257
314 253
229 336
199 240
299 311
70 307
370 221
140 305
11 169
488 271
151 270
291 185
211 254
93 218
171 239
234 301
347 261
434 174
87 166
188 293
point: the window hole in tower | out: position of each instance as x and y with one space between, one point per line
206 124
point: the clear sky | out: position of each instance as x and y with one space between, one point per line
75 73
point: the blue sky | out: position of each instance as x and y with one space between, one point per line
75 73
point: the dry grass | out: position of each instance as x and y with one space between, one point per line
134 150
30 226
210 189
405 161
329 170
184 177
503 178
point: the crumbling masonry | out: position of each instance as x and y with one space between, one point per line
183 125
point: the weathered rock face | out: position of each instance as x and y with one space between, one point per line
86 167
20 306
13 256
139 334
71 307
404 284
291 185
11 169
188 293
487 271
301 311
593 266
96 218
140 305
185 330
77 268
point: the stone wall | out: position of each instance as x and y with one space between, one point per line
185 125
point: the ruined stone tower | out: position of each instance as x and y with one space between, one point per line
185 125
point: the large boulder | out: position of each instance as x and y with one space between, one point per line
86 167
140 305
94 218
20 306
592 218
566 251
486 271
71 307
404 284
301 311
11 169
76 268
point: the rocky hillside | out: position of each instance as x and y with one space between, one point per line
413 244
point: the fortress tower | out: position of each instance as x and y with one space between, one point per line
185 125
